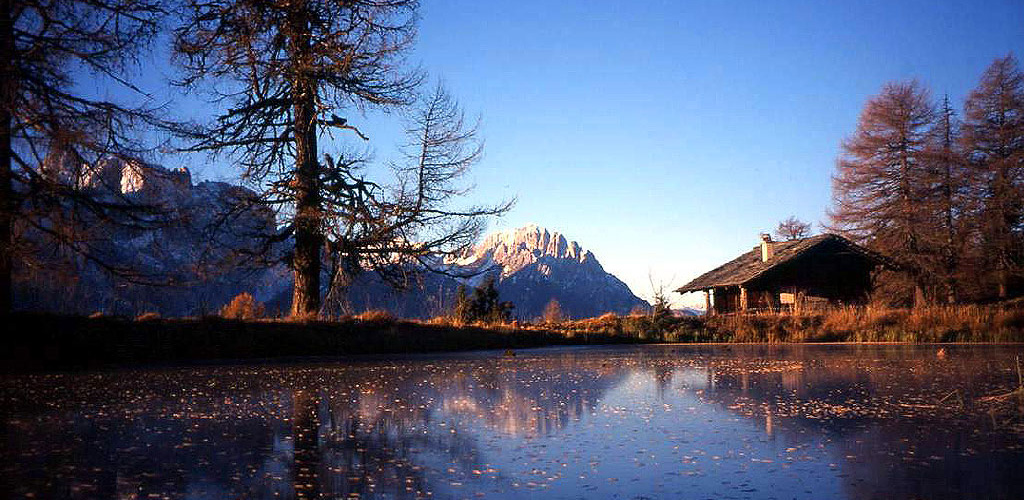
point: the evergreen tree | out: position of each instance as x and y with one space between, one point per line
949 197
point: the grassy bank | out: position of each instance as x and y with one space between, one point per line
44 341
967 323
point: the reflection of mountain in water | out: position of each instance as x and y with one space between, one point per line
790 421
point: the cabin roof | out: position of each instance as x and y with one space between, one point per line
749 266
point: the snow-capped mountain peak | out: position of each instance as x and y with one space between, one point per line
535 265
514 249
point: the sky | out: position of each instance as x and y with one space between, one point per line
665 136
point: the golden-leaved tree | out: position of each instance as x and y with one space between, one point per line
993 142
882 177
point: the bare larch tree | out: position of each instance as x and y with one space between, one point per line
881 179
412 224
52 136
792 229
949 198
993 138
283 72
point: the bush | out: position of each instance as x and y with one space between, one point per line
243 306
376 316
553 312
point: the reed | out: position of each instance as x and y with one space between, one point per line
960 323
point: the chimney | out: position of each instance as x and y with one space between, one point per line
767 247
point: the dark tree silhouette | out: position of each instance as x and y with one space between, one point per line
415 221
993 137
950 196
881 180
53 137
287 70
484 305
792 229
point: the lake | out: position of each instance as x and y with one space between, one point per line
665 421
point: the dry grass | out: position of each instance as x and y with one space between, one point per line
962 323
243 306
376 316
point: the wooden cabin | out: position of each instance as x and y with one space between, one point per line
807 273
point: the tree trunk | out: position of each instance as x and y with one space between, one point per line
919 297
308 232
306 442
7 205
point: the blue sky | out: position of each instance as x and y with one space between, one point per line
664 136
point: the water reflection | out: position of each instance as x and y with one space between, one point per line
657 421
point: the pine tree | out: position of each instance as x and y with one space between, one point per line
949 197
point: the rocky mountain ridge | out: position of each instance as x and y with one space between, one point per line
531 265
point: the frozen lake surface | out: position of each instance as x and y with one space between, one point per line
629 422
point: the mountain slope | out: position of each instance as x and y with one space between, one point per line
533 265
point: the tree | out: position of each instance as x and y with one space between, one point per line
414 224
553 312
291 67
792 229
485 304
52 134
993 138
881 180
462 310
949 195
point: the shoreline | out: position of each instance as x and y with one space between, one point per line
48 342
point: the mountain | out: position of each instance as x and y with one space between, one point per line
196 252
198 268
533 266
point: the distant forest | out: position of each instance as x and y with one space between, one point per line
940 192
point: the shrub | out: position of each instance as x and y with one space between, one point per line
243 306
376 316
553 312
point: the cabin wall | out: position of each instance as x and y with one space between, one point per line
727 299
835 274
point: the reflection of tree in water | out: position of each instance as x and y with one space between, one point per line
398 432
375 430
900 424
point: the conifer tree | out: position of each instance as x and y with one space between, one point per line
882 177
993 142
46 120
289 74
949 197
